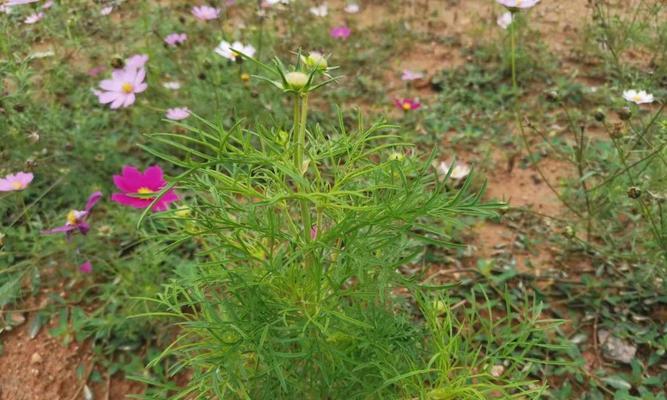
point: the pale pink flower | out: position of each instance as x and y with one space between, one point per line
95 71
505 20
174 39
458 171
205 13
177 113
47 5
120 90
106 10
10 3
17 181
638 97
33 18
409 75
136 61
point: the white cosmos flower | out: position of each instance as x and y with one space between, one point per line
504 20
320 11
173 85
274 2
352 8
638 97
518 3
459 171
226 49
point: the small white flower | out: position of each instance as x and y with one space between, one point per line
320 11
504 20
638 97
274 2
226 49
497 370
352 8
518 3
173 85
106 10
459 171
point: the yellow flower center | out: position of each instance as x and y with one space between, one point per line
127 88
407 106
144 190
71 218
637 98
16 185
245 77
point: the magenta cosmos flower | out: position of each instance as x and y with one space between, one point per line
17 181
120 90
340 32
86 267
407 104
205 13
177 113
515 4
174 39
139 189
76 220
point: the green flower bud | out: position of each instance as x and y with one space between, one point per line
316 61
296 80
283 137
396 156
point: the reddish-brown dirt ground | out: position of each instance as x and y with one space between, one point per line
44 369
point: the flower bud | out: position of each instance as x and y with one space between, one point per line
296 80
625 113
33 137
245 77
599 115
316 61
634 192
283 137
396 156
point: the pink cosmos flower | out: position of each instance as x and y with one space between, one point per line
86 267
10 3
407 104
409 75
177 113
313 232
120 90
106 10
47 5
514 4
17 181
33 18
138 189
174 39
77 220
95 71
205 13
136 61
340 32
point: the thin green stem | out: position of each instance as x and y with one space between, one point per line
513 54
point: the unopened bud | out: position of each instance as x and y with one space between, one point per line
296 80
625 113
634 192
316 61
33 137
396 156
